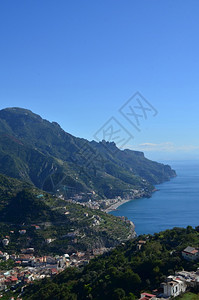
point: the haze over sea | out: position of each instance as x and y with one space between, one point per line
175 204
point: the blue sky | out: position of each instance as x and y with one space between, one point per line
78 62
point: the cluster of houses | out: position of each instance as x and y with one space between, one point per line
92 204
29 267
89 199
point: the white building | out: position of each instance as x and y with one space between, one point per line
5 242
22 231
50 240
174 286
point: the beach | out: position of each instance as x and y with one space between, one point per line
115 205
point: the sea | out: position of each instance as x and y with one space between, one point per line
175 204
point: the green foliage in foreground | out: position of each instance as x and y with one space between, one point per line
124 272
188 296
8 295
7 265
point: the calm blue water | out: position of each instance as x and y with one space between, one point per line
175 204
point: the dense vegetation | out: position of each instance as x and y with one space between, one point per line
46 217
40 152
9 187
124 272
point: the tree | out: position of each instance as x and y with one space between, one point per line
118 294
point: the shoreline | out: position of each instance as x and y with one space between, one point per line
114 206
117 204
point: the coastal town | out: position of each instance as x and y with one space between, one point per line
20 268
23 267
90 200
28 267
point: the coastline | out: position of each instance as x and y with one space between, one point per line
114 206
117 204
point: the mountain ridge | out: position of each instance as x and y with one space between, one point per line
42 153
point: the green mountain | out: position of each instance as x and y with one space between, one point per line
124 272
43 216
42 153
